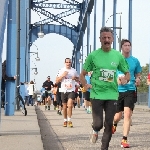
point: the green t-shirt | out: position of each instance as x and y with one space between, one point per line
104 66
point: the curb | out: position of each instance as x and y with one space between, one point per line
48 136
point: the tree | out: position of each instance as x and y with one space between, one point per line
143 88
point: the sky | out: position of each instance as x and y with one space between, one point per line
54 48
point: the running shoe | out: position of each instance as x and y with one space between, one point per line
124 144
70 124
65 124
93 136
60 113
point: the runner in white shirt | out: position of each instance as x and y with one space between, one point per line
67 76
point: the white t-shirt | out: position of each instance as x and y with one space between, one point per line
67 84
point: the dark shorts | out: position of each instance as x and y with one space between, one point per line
76 95
43 97
48 94
58 98
126 99
66 96
87 95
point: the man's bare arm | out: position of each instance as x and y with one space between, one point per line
125 79
75 78
127 76
138 79
59 79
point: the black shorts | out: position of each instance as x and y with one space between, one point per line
48 94
87 95
76 95
43 97
58 98
126 99
66 96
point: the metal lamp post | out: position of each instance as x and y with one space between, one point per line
119 39
35 71
18 54
27 59
37 58
39 34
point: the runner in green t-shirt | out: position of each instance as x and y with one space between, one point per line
104 63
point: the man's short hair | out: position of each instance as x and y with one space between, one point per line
66 59
125 41
48 77
106 29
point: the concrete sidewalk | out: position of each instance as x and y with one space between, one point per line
77 138
42 129
20 132
142 108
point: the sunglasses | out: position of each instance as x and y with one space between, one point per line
68 62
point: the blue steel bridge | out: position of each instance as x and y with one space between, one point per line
21 34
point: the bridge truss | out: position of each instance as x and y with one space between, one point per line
29 33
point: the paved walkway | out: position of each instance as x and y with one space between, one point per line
77 138
42 129
20 132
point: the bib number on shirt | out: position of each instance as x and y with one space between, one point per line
107 75
68 84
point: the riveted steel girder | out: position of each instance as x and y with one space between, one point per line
87 6
40 1
57 5
60 15
68 1
71 1
53 17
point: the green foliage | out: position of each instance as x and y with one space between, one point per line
143 88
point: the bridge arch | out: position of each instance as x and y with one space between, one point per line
63 30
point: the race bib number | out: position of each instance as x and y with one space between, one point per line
107 75
68 84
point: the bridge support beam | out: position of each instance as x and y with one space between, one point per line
28 33
77 57
103 14
114 22
130 23
88 33
95 9
82 52
11 58
3 16
23 39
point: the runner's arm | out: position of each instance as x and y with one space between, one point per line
137 79
125 79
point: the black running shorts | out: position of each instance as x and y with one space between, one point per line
87 95
126 99
66 96
58 98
